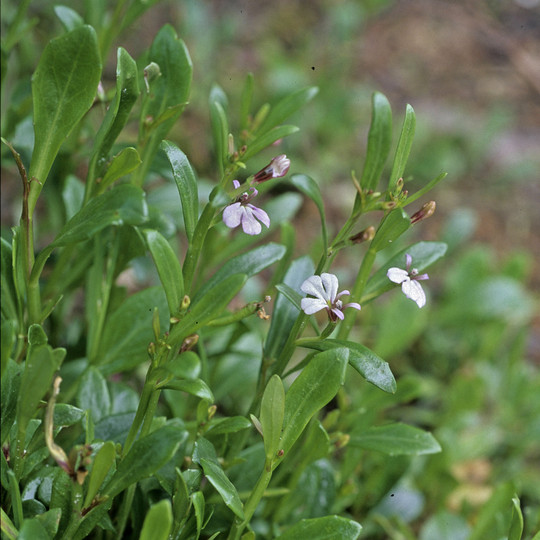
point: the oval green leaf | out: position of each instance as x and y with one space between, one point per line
323 528
158 521
272 414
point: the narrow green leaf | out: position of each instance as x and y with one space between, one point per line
272 414
126 161
186 183
310 188
181 502
158 521
8 289
374 369
104 460
493 514
245 102
63 88
146 456
69 18
267 139
172 88
323 528
11 382
223 486
220 131
207 308
231 424
197 499
428 187
403 148
316 385
195 387
128 331
423 255
122 205
391 228
168 267
93 394
516 525
379 141
286 107
396 440
37 376
250 264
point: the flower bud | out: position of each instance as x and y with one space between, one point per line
426 211
189 343
366 235
277 168
151 73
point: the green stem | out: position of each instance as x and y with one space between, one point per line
358 289
123 513
252 502
139 415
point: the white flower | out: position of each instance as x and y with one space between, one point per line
242 212
409 279
324 288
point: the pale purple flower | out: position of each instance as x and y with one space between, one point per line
242 212
409 279
324 288
277 168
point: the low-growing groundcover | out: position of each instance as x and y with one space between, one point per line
177 363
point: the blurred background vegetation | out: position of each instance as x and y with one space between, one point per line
469 363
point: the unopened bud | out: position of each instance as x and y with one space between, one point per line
155 324
189 343
426 211
366 235
230 144
101 92
151 73
343 440
277 168
186 301
211 411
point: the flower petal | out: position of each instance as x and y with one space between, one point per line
312 305
338 313
397 275
354 305
313 285
414 291
260 214
330 284
236 184
232 215
249 224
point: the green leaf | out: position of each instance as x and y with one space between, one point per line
103 461
316 385
287 106
158 521
197 499
32 529
285 313
392 227
220 131
379 141
493 518
272 414
11 382
185 366
232 424
8 289
187 185
169 269
403 148
69 18
245 103
170 91
516 525
250 264
310 188
126 161
195 387
66 415
396 440
209 307
63 89
122 205
215 475
423 255
128 331
374 369
323 528
267 139
93 394
37 376
145 457
181 501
